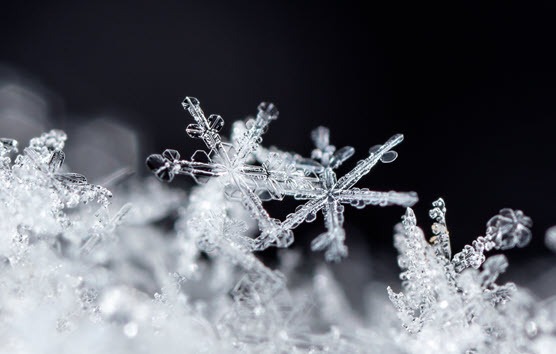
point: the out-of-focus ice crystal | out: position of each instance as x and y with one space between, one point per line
550 238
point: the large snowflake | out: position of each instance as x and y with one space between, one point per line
332 192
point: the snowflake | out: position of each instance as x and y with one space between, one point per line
278 175
333 192
225 160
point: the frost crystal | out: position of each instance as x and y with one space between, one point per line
153 269
448 294
225 160
279 175
38 174
506 230
333 192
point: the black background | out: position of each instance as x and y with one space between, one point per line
470 84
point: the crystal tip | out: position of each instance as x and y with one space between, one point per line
189 101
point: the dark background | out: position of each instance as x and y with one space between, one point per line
470 84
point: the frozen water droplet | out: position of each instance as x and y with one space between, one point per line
531 329
131 329
389 156
312 216
550 238
269 109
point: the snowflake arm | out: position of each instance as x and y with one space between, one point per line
269 226
441 238
419 270
333 239
359 198
380 153
168 164
247 143
508 229
206 129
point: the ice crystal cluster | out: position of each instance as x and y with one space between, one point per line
147 268
251 174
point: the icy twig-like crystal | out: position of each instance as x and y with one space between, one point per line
441 237
506 230
443 295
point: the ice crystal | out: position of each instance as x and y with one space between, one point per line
38 176
447 293
506 230
332 192
279 175
223 159
153 269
